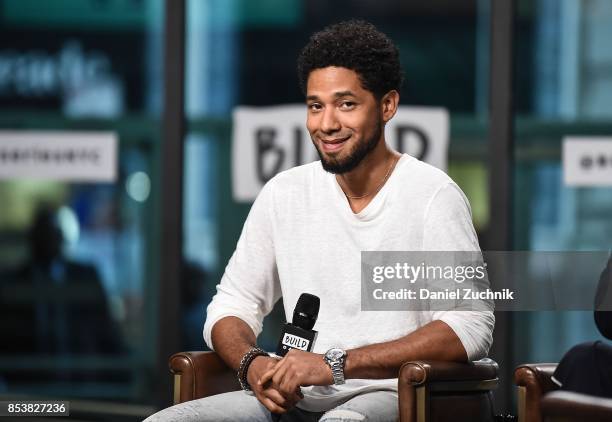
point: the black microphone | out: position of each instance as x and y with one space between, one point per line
299 333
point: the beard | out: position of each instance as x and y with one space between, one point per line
359 152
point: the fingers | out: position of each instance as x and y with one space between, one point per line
288 385
276 397
259 364
276 401
271 399
279 375
267 392
286 401
267 376
271 406
283 399
290 392
283 378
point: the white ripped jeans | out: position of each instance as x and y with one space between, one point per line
376 406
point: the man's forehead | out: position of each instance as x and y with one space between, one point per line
333 81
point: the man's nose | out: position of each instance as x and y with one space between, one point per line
329 122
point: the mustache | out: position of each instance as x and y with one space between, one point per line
318 136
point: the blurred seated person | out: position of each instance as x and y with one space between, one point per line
587 367
50 305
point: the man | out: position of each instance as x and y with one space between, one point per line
587 367
51 305
305 233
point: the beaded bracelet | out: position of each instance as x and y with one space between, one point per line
245 362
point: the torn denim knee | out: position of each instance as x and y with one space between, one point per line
342 415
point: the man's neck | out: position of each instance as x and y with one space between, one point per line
370 173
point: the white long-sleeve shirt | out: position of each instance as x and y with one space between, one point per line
301 236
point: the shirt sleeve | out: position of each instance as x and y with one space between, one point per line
448 227
250 285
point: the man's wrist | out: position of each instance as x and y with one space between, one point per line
245 363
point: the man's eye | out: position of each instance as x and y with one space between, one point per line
347 105
314 107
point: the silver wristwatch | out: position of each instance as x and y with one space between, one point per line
335 358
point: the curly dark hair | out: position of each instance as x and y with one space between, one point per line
355 45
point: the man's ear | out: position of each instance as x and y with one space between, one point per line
389 104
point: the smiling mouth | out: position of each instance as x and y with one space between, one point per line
333 144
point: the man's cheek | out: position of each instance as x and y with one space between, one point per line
311 124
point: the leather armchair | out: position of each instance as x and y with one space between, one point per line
533 381
428 390
566 406
539 399
200 374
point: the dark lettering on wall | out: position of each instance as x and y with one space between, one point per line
57 156
297 146
403 131
589 162
267 150
56 69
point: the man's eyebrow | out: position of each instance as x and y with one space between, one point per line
338 94
344 94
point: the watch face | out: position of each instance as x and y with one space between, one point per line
334 354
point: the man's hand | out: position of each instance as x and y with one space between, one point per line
274 400
298 369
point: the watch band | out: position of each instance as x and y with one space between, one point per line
338 372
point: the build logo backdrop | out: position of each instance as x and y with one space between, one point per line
268 140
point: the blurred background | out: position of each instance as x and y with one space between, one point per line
94 301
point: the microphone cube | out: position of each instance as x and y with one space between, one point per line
294 337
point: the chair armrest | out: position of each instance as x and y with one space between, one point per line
200 374
536 375
418 379
533 381
569 406
449 374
